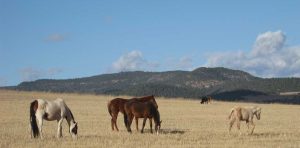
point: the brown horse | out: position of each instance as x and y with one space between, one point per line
144 110
205 99
117 105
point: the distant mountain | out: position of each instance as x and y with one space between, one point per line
221 83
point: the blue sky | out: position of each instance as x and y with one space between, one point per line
70 39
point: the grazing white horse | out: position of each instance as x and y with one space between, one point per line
244 114
51 110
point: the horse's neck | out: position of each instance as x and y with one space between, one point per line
253 110
147 98
69 118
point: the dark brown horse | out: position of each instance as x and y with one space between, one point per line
137 109
205 99
117 105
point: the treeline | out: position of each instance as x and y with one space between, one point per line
221 83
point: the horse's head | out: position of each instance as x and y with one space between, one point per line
73 129
257 112
157 127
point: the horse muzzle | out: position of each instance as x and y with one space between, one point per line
75 137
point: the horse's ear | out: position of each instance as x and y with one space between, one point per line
258 109
160 121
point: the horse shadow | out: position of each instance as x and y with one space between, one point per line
259 135
167 131
172 131
267 134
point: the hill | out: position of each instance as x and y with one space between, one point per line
221 83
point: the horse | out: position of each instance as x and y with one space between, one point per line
244 114
205 99
137 109
117 105
51 110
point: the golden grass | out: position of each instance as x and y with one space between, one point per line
186 123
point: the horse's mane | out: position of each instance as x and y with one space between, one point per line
145 98
71 114
155 112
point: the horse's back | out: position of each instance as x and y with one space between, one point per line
56 101
117 101
52 109
41 101
131 105
243 113
140 109
116 105
59 100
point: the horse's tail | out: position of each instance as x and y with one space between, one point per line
232 110
108 108
33 123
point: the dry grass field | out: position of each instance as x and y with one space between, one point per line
186 123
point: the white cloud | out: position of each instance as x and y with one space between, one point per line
268 43
31 74
185 63
53 71
108 19
269 57
3 81
56 37
132 61
182 63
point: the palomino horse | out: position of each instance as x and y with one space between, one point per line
51 110
117 105
244 114
144 110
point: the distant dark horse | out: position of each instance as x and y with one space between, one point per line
144 110
117 105
205 99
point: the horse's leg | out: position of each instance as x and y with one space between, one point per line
144 123
247 122
59 128
137 123
252 127
150 120
40 125
129 120
238 125
112 122
231 124
115 121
